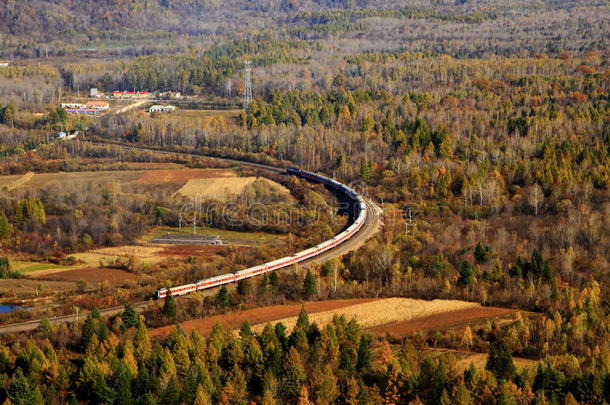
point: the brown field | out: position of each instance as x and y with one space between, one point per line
182 175
371 313
165 173
22 287
383 311
93 275
450 319
76 180
222 189
258 316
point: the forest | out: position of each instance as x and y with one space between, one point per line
482 129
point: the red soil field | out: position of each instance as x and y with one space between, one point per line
445 320
92 274
181 175
255 316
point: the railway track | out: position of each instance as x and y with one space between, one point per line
368 229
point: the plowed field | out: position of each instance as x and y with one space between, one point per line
257 316
93 275
444 320
396 316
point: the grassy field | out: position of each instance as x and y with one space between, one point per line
227 236
463 359
28 267
223 189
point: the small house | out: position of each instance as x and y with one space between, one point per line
162 108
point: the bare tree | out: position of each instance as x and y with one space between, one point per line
535 198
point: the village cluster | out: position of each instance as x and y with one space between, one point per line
98 107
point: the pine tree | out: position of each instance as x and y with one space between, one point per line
466 274
169 306
142 344
309 285
481 253
130 317
5 267
222 298
6 229
500 361
294 372
304 397
274 280
202 397
364 353
243 287
268 398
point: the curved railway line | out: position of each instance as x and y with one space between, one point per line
370 221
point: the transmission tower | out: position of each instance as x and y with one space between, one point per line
248 80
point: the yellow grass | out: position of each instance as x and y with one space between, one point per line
382 312
99 257
223 189
20 182
72 180
129 250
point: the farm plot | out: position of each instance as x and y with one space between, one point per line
182 175
93 274
259 316
383 311
77 180
22 287
223 189
450 319
99 257
369 313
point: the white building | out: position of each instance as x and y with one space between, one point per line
72 105
4 63
162 108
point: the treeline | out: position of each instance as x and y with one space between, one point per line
206 73
116 361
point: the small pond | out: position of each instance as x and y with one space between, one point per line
10 308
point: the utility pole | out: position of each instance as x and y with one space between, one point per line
248 84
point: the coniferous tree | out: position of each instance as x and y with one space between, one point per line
169 306
6 229
466 274
500 361
130 317
222 298
309 285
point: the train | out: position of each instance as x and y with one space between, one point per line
360 214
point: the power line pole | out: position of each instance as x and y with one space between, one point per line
248 80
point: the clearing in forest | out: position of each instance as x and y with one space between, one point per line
223 189
182 175
383 311
369 313
449 319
